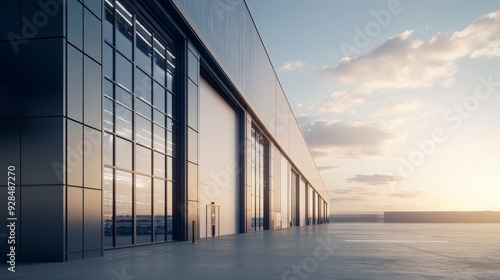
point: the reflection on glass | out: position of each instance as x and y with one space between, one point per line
109 21
124 156
170 81
123 121
160 62
170 144
169 104
169 169
159 97
108 115
143 159
108 148
143 86
144 49
124 97
143 131
124 226
159 210
159 165
124 30
108 89
169 210
123 71
108 61
107 193
143 108
143 209
159 118
159 138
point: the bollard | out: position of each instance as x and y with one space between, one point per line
194 232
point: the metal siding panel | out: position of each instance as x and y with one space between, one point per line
218 160
232 37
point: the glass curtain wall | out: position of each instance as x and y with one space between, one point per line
259 179
139 122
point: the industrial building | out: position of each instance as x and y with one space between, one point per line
128 122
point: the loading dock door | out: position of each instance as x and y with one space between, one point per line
218 160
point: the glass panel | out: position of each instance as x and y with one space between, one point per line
169 169
124 30
143 159
123 71
124 226
159 97
124 97
169 210
159 210
170 81
108 89
170 124
143 86
143 108
108 115
170 61
123 121
109 21
107 193
159 165
160 62
143 131
108 148
159 118
143 209
170 144
169 104
108 61
144 49
124 156
159 138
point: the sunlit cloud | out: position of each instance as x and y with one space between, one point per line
338 139
340 101
326 169
402 62
375 179
398 105
406 194
291 66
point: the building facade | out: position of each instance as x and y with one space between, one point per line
129 122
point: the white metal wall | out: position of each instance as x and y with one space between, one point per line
218 160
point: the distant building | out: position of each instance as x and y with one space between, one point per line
442 217
356 218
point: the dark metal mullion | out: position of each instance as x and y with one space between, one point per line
134 128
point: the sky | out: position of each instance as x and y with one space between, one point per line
399 101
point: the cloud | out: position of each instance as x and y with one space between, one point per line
340 101
398 105
406 194
406 63
341 140
328 168
342 191
291 66
352 194
375 179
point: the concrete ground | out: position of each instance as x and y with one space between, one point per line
332 251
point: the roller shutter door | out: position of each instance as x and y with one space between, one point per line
218 161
